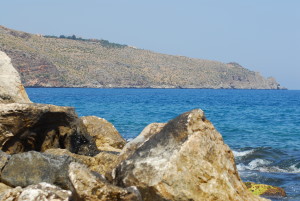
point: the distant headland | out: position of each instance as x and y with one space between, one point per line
70 61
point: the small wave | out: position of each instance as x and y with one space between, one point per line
253 165
242 153
292 169
263 165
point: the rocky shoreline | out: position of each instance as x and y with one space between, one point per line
49 153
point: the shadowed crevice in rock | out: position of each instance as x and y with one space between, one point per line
40 127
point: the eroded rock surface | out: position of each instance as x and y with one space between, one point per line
101 163
186 160
25 127
11 88
90 187
143 137
38 192
32 167
106 136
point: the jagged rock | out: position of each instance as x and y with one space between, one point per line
265 190
33 167
144 136
186 160
25 127
101 163
106 136
39 192
11 88
90 187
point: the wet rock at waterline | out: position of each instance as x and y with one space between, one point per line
265 190
186 160
11 88
106 136
25 127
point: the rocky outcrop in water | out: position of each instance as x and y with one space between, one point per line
265 190
88 63
11 88
186 160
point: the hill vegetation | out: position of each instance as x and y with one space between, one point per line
68 61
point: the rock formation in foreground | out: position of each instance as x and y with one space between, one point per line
48 153
60 62
186 160
11 88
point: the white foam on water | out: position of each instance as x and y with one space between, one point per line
242 153
258 163
253 165
291 169
261 165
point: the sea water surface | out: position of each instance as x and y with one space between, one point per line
262 127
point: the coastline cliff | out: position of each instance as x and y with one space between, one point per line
69 62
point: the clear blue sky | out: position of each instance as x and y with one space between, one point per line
261 35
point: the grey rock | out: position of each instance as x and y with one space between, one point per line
32 167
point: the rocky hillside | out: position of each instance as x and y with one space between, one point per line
61 62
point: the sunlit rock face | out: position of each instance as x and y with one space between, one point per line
11 88
90 187
186 160
106 136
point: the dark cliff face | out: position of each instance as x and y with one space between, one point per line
57 62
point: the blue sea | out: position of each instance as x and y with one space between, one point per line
262 127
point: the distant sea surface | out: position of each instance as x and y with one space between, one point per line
262 127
